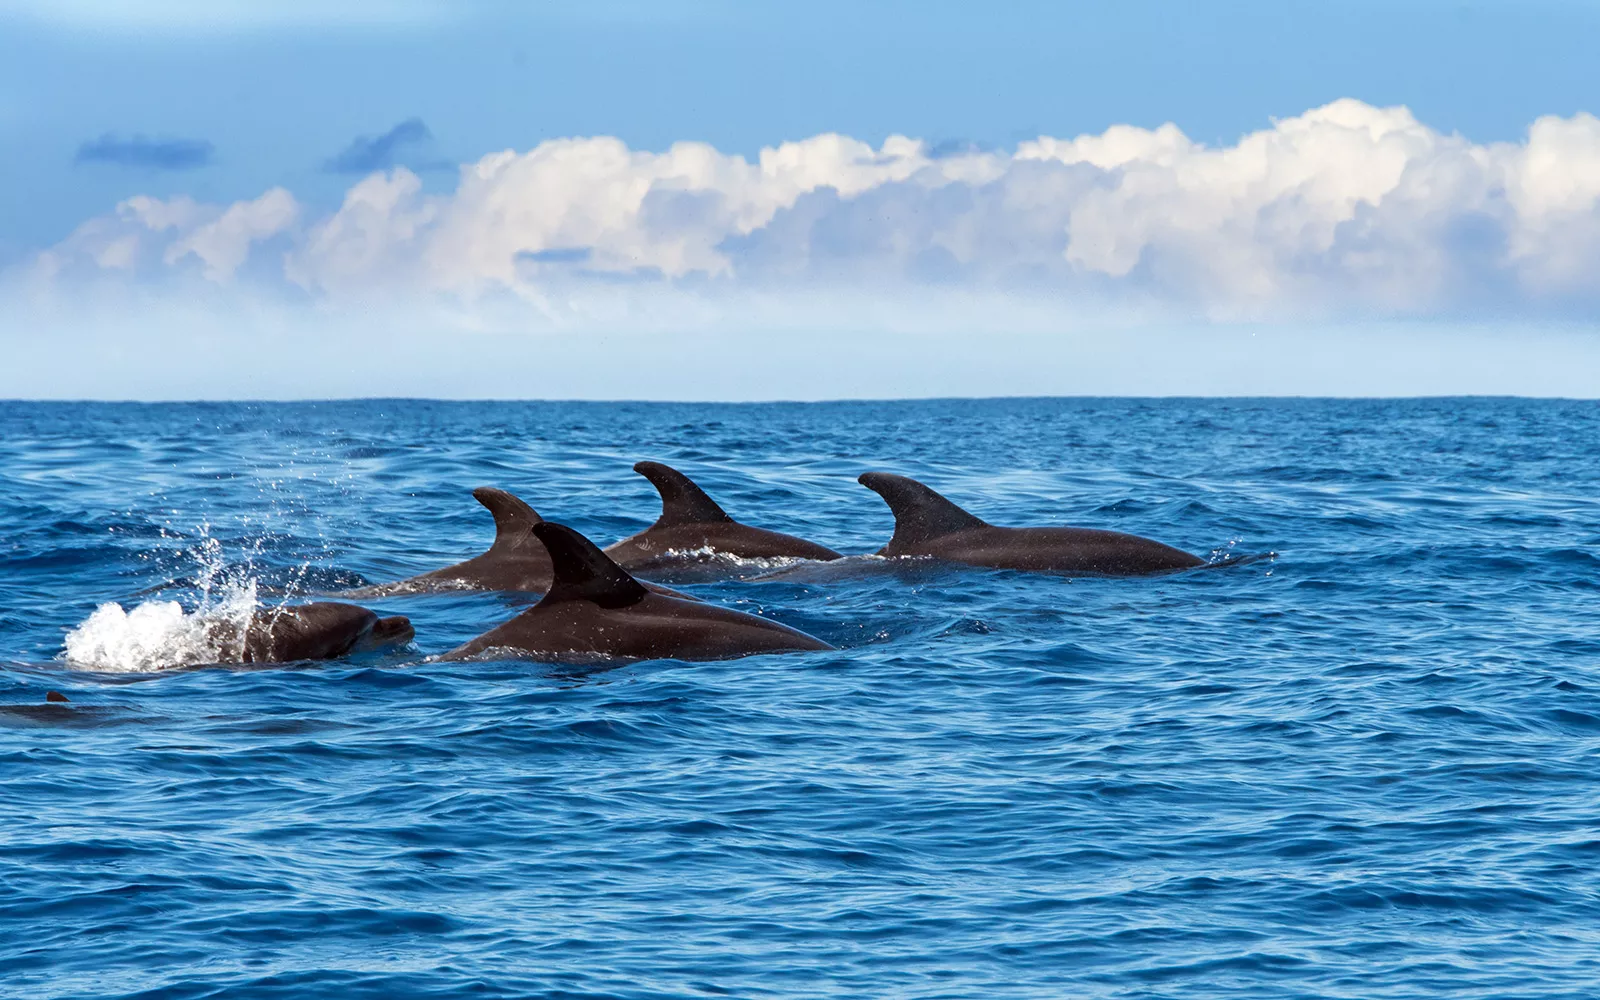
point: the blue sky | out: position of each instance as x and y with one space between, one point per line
102 102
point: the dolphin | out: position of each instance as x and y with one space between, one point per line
693 529
54 706
596 610
58 709
926 524
323 630
515 562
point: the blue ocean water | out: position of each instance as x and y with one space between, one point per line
1365 765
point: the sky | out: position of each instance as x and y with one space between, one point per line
710 199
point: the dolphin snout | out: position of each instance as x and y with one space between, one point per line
393 631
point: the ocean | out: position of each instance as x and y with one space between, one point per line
1361 759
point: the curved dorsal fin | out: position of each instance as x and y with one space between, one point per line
582 572
920 514
55 696
682 502
513 519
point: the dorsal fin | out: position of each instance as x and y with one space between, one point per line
513 519
582 572
55 696
920 514
682 502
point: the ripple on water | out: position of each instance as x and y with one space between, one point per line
1358 760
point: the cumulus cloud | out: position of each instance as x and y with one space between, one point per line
149 154
1346 209
368 153
149 236
222 244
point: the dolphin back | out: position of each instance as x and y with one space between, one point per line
513 518
322 630
582 572
920 514
682 502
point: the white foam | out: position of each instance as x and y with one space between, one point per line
707 553
163 634
160 635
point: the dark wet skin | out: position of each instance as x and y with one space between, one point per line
596 610
692 523
516 562
324 630
58 710
927 524
56 707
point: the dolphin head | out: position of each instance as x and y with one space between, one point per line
395 630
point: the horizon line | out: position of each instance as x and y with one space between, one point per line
779 401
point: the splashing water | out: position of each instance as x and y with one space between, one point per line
159 635
1362 768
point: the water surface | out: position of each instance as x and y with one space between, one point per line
1367 766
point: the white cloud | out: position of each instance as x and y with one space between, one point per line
1345 209
223 243
148 235
1556 196
371 240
